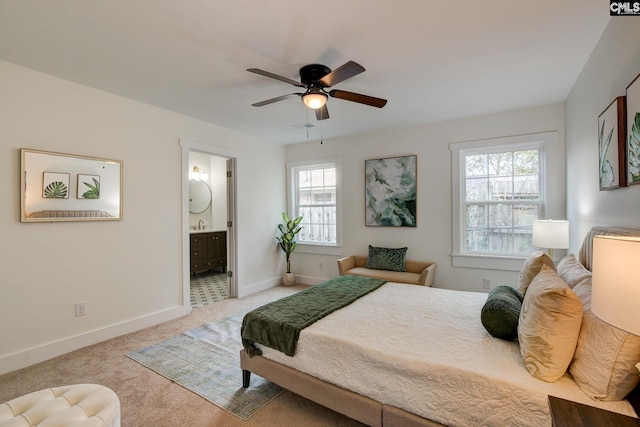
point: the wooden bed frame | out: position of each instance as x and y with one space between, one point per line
353 405
365 409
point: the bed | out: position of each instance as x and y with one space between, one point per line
50 214
405 355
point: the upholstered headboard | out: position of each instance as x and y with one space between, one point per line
69 214
586 252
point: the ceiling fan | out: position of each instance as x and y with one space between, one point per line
314 78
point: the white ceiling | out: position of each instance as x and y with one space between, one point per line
432 59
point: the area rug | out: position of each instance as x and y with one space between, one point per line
206 361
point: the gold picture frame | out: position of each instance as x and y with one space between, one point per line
45 198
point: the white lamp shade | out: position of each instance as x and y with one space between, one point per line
551 234
314 100
615 293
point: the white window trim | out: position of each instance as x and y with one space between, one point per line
318 248
458 149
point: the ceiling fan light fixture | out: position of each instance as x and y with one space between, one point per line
314 100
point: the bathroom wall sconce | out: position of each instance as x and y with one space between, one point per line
198 174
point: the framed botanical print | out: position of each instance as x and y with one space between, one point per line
55 185
88 186
633 132
611 145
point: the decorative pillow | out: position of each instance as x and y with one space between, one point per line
604 363
549 326
571 271
392 259
531 268
501 312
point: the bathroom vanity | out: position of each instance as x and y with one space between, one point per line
208 251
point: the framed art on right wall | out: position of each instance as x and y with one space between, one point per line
633 132
612 133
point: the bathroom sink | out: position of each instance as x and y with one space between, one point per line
191 231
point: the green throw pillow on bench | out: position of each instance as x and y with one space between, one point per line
501 312
392 259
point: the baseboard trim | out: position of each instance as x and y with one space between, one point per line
260 286
277 281
309 280
46 351
28 357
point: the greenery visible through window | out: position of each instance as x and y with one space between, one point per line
315 200
501 198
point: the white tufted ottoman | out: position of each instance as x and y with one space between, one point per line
80 405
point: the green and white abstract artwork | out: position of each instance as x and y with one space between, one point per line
390 192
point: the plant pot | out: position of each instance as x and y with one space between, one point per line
288 279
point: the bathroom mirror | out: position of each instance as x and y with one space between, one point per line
199 196
57 187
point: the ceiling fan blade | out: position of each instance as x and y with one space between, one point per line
322 113
342 73
358 97
272 100
274 76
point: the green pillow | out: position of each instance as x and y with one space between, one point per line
501 312
506 290
392 259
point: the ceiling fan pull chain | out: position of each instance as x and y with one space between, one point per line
321 131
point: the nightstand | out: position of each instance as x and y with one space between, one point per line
565 413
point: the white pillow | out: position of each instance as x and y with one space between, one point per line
549 325
531 267
604 363
571 271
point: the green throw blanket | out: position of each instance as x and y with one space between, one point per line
278 324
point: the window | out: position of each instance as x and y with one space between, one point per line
314 195
498 193
501 200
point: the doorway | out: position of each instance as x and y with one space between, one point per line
208 225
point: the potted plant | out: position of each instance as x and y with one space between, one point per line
287 242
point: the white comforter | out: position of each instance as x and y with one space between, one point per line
425 350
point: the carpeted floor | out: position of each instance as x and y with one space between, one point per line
149 399
206 361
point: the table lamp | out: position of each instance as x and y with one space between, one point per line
551 234
615 292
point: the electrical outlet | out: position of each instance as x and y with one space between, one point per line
320 265
486 283
81 308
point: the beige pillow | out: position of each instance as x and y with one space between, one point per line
549 325
604 363
531 267
571 271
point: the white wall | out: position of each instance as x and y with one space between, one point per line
129 272
613 64
432 239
